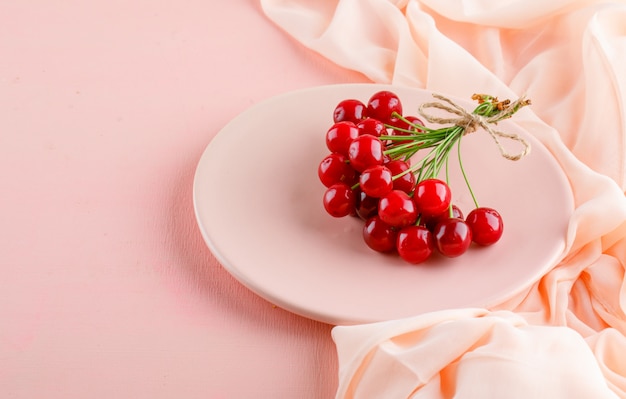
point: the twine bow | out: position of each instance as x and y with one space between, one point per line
471 121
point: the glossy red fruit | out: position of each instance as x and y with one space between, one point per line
379 235
349 110
406 182
397 209
376 181
372 126
365 206
432 196
340 135
430 221
415 244
365 151
486 225
406 126
382 105
335 168
339 200
452 237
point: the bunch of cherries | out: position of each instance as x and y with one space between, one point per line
407 209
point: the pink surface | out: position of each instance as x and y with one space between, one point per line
106 287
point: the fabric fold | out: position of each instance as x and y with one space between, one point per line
569 57
497 355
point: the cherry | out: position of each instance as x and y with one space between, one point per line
379 235
340 135
368 174
486 225
365 151
397 209
452 237
430 221
406 182
365 206
349 110
415 244
382 105
375 181
339 200
432 196
372 126
406 126
335 168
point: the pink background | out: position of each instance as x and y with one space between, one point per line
106 286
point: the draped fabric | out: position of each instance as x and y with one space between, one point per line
565 335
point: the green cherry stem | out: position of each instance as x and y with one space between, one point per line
411 124
440 142
469 187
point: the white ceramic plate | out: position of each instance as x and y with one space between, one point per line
258 203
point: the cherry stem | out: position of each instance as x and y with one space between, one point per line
469 187
440 141
447 172
411 124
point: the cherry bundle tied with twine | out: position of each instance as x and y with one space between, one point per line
494 112
407 141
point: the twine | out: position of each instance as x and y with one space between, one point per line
470 122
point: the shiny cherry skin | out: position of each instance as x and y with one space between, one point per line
375 181
365 206
340 135
486 225
397 209
415 244
402 124
339 200
379 235
430 221
452 237
372 126
432 196
382 105
414 120
334 168
349 110
406 182
365 151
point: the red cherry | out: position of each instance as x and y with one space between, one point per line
365 206
372 126
365 151
335 168
340 135
406 126
349 110
397 209
452 237
376 181
382 105
486 225
430 221
379 235
339 200
432 196
415 244
406 182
